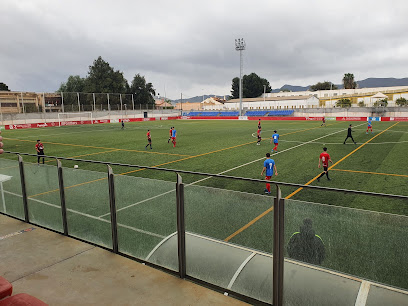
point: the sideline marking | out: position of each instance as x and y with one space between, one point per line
340 143
52 160
93 147
367 172
339 161
30 229
48 161
158 127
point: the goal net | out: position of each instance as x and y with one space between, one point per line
63 118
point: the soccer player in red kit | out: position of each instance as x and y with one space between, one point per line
39 147
170 134
258 133
173 137
325 158
149 140
259 124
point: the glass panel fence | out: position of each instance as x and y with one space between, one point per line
365 244
146 216
10 188
330 249
87 198
43 195
223 230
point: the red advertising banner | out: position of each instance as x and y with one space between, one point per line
170 118
137 119
397 119
48 124
351 118
18 126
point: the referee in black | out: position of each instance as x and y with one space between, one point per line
349 135
39 147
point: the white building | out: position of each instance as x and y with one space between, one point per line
309 101
328 98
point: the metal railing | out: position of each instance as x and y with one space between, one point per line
278 211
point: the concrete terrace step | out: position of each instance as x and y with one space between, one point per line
63 271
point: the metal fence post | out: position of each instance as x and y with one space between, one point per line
62 198
114 224
278 247
281 248
23 188
181 228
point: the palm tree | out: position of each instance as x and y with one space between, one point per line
348 81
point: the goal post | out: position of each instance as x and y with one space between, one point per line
81 116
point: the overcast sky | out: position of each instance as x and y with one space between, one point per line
188 46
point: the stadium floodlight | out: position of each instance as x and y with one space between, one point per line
240 46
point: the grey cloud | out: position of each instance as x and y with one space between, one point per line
189 45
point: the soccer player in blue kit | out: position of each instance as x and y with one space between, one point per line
173 137
269 167
275 139
369 126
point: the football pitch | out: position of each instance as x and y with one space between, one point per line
363 235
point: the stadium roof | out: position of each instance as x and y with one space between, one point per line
379 95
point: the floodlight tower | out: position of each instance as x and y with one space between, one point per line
240 46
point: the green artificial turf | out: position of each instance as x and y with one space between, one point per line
361 241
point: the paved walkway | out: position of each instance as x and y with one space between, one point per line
63 271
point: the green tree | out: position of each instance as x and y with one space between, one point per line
235 88
252 87
326 85
4 87
142 90
348 81
344 102
361 104
381 103
74 84
104 79
401 102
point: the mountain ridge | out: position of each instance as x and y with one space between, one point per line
366 83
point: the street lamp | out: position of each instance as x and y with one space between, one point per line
240 46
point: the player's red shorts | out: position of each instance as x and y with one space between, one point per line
268 177
173 138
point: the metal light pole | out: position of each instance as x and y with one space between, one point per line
240 46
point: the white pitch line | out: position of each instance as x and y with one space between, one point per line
340 143
89 216
91 131
206 178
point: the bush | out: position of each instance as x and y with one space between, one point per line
361 104
344 102
401 102
381 103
